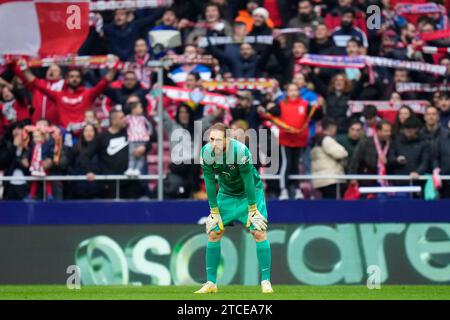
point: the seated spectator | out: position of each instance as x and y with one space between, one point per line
346 31
374 155
412 151
354 135
327 157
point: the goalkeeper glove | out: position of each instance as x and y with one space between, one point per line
213 220
256 218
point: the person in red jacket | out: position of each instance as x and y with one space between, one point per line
74 99
45 108
293 138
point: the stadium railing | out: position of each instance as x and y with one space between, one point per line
151 177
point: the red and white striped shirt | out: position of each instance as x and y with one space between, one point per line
139 128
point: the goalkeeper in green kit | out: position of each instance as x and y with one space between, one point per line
240 198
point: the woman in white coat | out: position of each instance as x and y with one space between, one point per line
327 157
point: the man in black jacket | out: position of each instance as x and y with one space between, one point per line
412 151
441 160
365 157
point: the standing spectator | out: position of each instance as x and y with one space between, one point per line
322 43
403 114
432 130
122 33
139 131
293 111
306 18
246 110
119 91
179 74
140 58
370 119
246 15
354 135
111 149
346 31
74 98
413 152
14 106
45 108
374 155
441 161
327 157
444 107
73 160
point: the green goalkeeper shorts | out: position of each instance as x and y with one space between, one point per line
235 208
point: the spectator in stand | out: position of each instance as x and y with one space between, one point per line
322 43
122 33
139 131
293 111
246 15
246 110
412 151
350 140
370 119
374 155
334 18
261 28
169 21
72 160
444 107
432 130
403 113
327 157
140 59
441 160
245 65
179 75
14 162
215 24
119 91
111 149
74 98
14 106
306 18
44 108
346 31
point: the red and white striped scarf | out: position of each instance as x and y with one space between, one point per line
381 152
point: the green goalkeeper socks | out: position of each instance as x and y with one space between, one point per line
264 258
212 260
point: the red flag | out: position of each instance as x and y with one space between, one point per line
43 27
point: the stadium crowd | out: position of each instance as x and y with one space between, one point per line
330 117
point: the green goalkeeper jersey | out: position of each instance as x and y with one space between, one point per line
237 176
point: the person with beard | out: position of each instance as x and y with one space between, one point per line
45 108
245 16
412 152
306 18
111 149
245 110
350 140
73 100
260 28
119 91
184 178
333 18
346 31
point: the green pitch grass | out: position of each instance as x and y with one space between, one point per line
388 292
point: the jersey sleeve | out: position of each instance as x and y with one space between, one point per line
210 179
245 164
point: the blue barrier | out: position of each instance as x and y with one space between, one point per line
182 212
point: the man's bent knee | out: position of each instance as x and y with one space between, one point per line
214 236
259 235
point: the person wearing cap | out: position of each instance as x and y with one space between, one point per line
246 15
